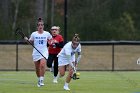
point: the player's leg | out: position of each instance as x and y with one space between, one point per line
42 70
62 63
68 78
37 69
42 66
56 66
50 61
61 66
55 69
70 72
61 71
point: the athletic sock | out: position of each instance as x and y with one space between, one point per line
66 84
41 78
55 77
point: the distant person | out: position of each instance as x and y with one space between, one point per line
66 58
54 48
39 39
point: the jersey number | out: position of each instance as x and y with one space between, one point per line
41 42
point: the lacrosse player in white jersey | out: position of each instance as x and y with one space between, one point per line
66 58
39 39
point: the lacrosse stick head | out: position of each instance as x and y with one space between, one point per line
19 31
75 76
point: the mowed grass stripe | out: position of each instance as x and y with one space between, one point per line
89 82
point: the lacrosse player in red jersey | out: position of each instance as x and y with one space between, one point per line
66 58
54 48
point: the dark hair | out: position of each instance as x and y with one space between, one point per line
39 20
76 38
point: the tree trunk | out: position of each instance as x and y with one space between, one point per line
15 14
40 8
5 13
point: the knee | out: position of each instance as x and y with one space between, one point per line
42 66
62 74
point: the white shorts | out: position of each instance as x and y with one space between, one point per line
62 61
38 57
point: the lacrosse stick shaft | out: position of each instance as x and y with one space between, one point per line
75 67
36 49
18 31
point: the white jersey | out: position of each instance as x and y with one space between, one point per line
40 42
67 50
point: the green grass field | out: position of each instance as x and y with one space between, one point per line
89 82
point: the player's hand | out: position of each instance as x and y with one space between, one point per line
26 38
56 41
51 42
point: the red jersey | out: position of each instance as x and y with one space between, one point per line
56 50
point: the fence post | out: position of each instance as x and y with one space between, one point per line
113 57
16 55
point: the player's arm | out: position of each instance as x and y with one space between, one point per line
78 58
68 55
50 42
79 55
60 44
47 44
29 40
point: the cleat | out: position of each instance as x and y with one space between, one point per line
41 83
55 80
66 88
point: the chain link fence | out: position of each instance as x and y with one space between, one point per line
96 56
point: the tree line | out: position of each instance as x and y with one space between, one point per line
91 19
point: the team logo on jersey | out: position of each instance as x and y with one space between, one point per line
40 37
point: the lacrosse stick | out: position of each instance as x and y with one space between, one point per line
75 75
19 31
